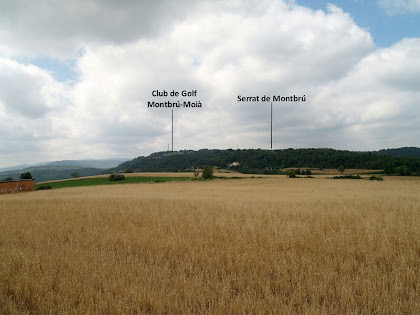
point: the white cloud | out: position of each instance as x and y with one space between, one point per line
376 103
400 6
358 97
60 28
28 90
226 52
30 99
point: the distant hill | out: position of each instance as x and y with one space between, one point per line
89 163
46 173
267 161
402 152
20 167
16 167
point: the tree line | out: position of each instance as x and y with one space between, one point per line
271 161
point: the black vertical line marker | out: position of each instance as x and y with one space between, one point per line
172 130
271 125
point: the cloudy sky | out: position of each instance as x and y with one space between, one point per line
76 76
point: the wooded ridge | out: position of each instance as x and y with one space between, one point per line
272 161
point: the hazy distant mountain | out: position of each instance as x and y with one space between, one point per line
20 167
42 172
93 163
16 167
46 173
90 163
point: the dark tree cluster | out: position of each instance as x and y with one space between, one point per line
116 177
272 161
26 175
303 172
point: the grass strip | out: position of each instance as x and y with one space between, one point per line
106 181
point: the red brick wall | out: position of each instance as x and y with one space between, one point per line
27 185
16 186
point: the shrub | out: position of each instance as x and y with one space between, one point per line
8 179
402 170
348 177
44 187
26 175
291 173
129 170
389 168
373 177
207 172
116 177
303 172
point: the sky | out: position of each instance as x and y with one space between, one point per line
76 77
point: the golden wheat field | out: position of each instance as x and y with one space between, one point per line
246 246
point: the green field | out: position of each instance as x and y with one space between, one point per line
106 181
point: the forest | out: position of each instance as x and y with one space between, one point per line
273 161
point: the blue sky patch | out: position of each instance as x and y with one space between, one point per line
385 29
61 70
